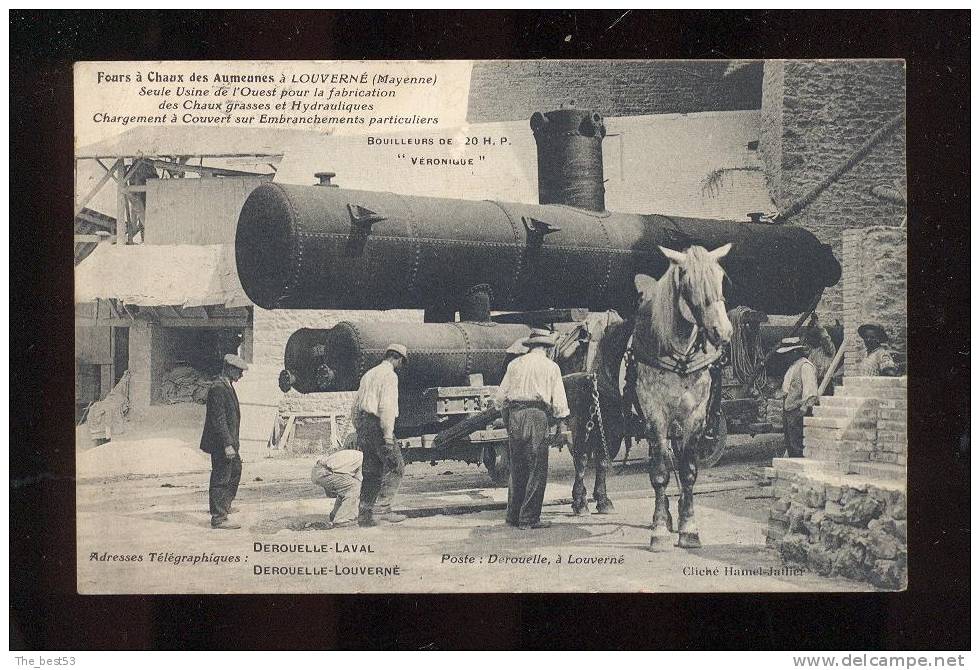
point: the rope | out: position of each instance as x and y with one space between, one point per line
745 349
862 152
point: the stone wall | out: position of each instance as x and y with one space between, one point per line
875 289
815 114
513 90
841 510
843 525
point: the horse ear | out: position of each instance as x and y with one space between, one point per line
721 251
672 256
645 285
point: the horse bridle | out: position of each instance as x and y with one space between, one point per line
698 314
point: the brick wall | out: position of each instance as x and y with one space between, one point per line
815 114
875 289
512 90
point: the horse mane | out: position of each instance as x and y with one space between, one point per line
699 268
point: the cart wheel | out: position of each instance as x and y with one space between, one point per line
495 458
712 450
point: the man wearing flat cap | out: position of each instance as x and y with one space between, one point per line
879 361
220 439
802 392
531 397
373 417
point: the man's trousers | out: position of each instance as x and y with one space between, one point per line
346 488
793 432
225 476
382 469
527 448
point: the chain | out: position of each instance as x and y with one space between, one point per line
595 416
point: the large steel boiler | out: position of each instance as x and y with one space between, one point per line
316 247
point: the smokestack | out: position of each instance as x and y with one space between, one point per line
569 144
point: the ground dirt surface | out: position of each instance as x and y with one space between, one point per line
150 533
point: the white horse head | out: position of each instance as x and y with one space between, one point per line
693 282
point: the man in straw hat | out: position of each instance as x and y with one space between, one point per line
373 416
879 361
531 397
220 439
801 389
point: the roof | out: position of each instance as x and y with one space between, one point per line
151 275
194 141
89 222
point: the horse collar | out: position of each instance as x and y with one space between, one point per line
694 359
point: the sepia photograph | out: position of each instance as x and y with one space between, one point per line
513 326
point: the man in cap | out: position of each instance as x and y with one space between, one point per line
220 439
879 361
800 387
531 397
373 416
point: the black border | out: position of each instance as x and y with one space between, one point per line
47 614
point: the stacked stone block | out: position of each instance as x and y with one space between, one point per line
875 288
841 510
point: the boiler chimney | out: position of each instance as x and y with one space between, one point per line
570 157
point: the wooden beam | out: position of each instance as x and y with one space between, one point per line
95 189
120 205
198 312
169 310
213 322
85 239
84 216
201 169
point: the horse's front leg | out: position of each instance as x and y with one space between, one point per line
600 454
663 523
580 456
688 474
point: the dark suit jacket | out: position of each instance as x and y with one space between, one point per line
222 419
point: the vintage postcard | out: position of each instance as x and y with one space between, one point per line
490 326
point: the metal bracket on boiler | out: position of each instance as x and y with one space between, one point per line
536 229
361 221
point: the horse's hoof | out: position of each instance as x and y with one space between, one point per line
580 511
605 507
660 541
688 540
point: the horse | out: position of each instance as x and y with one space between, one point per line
590 358
649 376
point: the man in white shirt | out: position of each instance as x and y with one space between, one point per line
373 415
800 387
340 475
531 397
